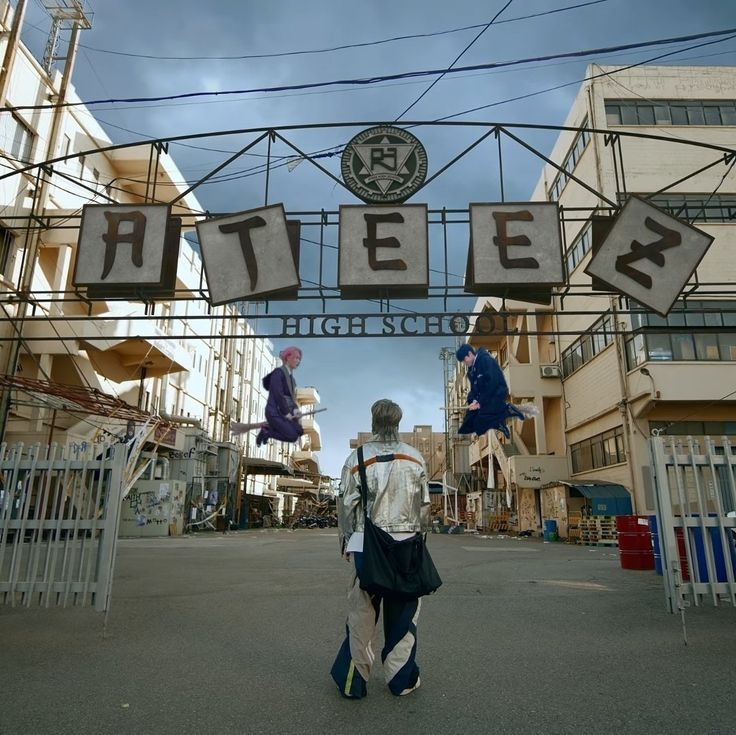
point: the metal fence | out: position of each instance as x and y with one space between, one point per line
695 493
59 516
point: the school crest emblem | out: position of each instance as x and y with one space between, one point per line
384 164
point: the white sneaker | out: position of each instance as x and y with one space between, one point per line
411 689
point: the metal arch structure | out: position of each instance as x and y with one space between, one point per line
450 306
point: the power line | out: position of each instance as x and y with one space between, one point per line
329 152
579 81
281 54
457 58
382 78
288 158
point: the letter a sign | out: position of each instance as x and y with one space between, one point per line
127 249
649 255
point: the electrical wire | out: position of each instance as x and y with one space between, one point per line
457 58
377 79
283 54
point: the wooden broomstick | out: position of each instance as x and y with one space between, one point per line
238 428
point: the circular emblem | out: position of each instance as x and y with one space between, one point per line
459 324
384 164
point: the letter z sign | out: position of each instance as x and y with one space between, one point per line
649 255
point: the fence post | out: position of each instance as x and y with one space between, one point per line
108 542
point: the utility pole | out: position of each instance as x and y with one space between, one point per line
446 354
69 11
11 48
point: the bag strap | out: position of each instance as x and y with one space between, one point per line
362 464
363 481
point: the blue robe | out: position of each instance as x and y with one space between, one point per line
281 389
488 387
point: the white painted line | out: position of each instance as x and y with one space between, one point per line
492 548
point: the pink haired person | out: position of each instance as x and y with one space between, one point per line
282 412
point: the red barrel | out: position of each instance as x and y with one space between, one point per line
635 542
684 570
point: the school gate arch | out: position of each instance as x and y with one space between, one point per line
391 254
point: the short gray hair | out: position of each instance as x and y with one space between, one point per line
386 416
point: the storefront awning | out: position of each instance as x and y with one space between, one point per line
607 499
259 466
602 491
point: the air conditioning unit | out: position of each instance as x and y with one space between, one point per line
550 371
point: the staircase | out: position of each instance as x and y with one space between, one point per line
502 451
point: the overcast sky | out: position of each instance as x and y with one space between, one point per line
352 373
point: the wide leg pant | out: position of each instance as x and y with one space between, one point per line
352 667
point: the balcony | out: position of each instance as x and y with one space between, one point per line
312 431
307 396
113 347
526 381
680 382
306 461
295 483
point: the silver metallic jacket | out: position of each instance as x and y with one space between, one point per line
398 494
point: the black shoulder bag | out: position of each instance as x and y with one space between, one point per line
399 569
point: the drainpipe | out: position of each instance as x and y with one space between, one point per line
623 405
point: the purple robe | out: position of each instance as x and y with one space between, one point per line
281 389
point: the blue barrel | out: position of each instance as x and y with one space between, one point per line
550 530
655 545
696 536
719 559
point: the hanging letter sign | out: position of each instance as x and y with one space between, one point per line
127 249
514 246
248 256
383 251
649 255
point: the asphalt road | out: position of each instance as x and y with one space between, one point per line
236 634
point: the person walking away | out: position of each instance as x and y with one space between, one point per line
398 502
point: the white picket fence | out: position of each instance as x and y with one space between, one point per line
695 492
59 517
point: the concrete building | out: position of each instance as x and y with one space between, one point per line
197 367
605 371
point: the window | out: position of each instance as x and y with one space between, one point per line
569 163
588 345
695 428
602 450
16 138
580 246
670 112
698 207
706 342
7 250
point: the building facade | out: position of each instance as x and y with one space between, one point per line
605 371
194 366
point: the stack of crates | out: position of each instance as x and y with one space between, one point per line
574 518
598 531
